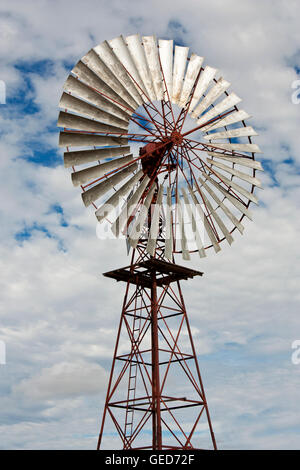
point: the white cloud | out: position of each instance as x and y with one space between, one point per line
62 380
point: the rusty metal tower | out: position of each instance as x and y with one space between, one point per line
186 189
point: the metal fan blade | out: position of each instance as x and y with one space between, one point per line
207 226
237 187
151 52
169 231
127 210
183 240
102 69
234 172
206 76
195 230
88 174
240 132
76 105
76 139
211 96
165 48
140 220
137 53
121 50
81 90
232 118
72 121
180 59
228 102
224 208
239 205
88 77
86 156
250 148
243 161
154 229
191 75
101 188
114 200
107 55
217 218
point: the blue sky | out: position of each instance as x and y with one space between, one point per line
58 315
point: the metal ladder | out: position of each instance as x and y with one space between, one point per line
132 379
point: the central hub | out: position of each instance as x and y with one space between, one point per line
176 138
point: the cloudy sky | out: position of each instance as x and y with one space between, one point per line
59 315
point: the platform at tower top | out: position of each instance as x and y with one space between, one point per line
143 273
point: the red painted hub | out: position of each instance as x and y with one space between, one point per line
176 138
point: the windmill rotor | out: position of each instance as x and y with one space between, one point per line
195 158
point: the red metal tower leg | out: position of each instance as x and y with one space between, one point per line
155 373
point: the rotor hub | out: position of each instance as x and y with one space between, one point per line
176 138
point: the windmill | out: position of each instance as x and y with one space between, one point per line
185 190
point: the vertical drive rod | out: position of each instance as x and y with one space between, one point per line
156 421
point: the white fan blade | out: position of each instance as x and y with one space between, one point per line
121 50
102 70
127 210
166 59
232 118
229 196
180 58
88 174
169 231
92 80
151 52
207 226
206 76
72 121
237 187
217 218
185 252
140 220
198 240
232 133
191 75
114 200
234 172
101 188
76 139
86 156
76 105
250 148
105 52
211 96
137 53
224 208
227 103
154 229
243 161
81 90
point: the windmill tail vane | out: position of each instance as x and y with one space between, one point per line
163 155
